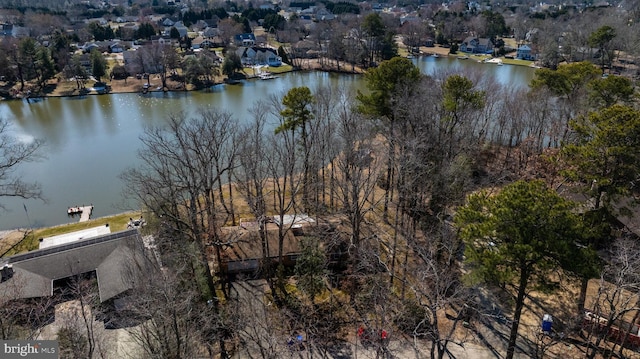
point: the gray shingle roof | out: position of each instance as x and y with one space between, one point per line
112 256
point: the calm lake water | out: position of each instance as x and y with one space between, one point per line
91 140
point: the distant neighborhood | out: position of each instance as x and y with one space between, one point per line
189 45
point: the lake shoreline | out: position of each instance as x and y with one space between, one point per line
91 140
135 85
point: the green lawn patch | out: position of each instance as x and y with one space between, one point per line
280 69
517 62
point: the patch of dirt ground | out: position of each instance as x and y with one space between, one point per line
10 238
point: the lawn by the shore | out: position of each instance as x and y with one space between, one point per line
27 240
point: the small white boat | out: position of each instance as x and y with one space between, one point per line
267 76
463 57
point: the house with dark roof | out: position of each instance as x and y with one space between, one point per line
476 45
115 258
182 30
6 30
206 23
167 22
246 251
211 32
244 39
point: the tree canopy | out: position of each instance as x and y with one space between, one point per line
567 79
605 156
517 235
297 108
98 65
459 94
101 33
231 64
384 82
605 92
601 39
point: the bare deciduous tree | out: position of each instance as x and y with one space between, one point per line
173 318
179 180
617 300
13 154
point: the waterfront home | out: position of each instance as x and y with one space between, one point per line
115 259
476 45
246 249
524 53
246 252
250 56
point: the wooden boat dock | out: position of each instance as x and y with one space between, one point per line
83 211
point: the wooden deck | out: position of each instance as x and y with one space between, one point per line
86 213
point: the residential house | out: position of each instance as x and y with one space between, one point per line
246 250
531 34
247 55
211 32
324 15
308 12
197 43
247 39
378 7
201 25
90 46
305 49
163 40
476 45
167 22
115 258
116 48
202 43
410 17
156 19
524 53
261 39
258 56
210 54
179 25
130 61
129 27
85 61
